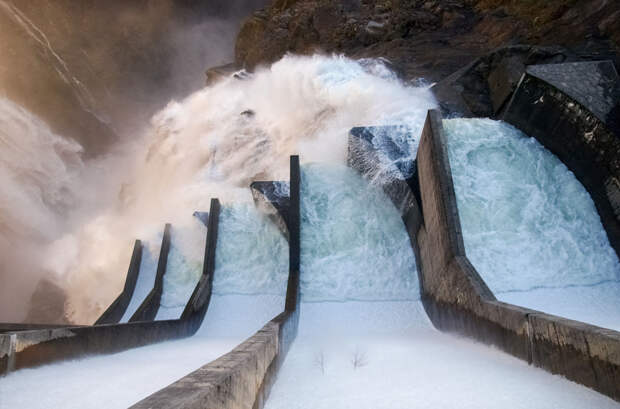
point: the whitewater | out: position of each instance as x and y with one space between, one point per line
364 339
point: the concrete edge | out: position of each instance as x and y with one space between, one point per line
243 377
150 306
457 300
32 348
116 310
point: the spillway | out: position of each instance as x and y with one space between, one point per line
248 291
377 349
530 228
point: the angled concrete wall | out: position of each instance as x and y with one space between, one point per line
117 309
35 347
457 300
149 307
243 377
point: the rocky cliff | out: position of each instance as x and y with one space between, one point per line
426 38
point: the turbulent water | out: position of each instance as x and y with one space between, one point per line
248 292
353 245
530 228
384 353
213 144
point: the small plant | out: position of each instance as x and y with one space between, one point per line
319 361
359 358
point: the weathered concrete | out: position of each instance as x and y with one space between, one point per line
243 377
115 311
149 307
388 165
35 347
457 300
573 110
273 199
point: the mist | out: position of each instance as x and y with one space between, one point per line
78 85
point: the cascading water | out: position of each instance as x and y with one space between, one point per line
364 339
247 292
218 140
383 353
530 228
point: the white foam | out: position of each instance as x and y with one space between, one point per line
353 243
529 226
120 380
406 364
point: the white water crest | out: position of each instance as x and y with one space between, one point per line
530 228
353 243
218 140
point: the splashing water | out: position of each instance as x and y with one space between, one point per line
205 147
251 254
353 244
529 225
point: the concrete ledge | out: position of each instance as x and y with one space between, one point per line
457 299
149 307
243 377
117 309
36 347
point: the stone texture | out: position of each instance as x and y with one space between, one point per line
429 39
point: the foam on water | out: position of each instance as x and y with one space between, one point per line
530 228
145 282
403 363
122 379
353 244
251 256
183 269
218 140
385 353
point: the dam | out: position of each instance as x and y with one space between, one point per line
399 260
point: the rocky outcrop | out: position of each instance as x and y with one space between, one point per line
47 305
424 38
94 69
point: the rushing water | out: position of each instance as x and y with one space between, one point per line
530 228
248 292
353 246
381 353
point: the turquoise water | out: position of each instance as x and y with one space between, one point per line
530 228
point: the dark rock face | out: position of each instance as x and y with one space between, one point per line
482 87
429 39
47 305
93 69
